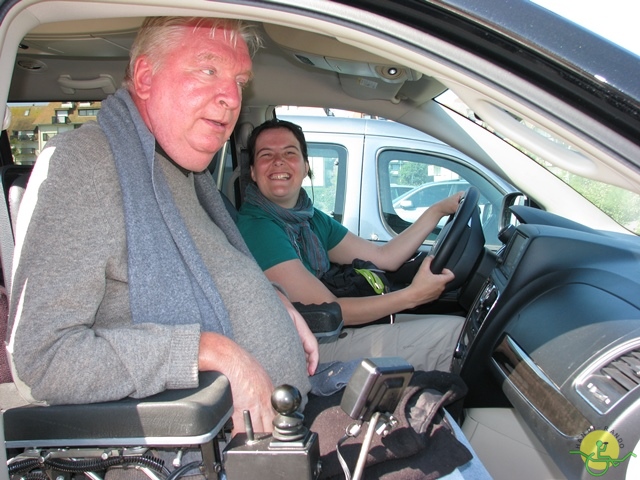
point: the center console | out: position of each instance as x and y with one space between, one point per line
475 319
492 288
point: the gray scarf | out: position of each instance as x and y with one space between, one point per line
295 222
168 280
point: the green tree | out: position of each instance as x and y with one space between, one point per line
413 173
621 205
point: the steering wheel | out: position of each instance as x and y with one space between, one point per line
460 242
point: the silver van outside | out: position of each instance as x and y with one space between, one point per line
358 163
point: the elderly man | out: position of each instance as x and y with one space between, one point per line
130 275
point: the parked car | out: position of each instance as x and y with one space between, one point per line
508 95
416 201
397 190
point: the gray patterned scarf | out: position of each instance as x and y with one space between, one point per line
295 222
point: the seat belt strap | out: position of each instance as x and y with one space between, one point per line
6 243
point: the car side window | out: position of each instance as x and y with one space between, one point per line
425 179
326 188
418 199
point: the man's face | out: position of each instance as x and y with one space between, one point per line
191 104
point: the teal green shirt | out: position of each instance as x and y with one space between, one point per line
269 242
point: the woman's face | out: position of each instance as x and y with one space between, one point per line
279 167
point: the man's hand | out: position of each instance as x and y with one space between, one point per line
309 341
250 384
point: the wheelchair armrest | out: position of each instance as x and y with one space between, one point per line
173 417
324 320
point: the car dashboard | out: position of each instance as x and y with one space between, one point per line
555 333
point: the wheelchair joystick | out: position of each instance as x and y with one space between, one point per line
291 451
287 425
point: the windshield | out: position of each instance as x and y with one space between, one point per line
623 206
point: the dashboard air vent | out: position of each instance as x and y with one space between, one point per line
625 370
608 384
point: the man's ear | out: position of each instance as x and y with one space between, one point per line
253 175
142 76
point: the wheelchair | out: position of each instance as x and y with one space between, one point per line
133 439
187 433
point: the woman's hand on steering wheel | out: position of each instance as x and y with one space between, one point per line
449 242
428 286
449 206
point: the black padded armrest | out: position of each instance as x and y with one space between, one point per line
324 320
189 416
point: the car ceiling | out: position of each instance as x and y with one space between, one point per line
63 47
57 55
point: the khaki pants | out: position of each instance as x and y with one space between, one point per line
426 342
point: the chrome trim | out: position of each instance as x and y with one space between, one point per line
537 389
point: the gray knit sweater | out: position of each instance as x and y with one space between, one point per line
73 339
